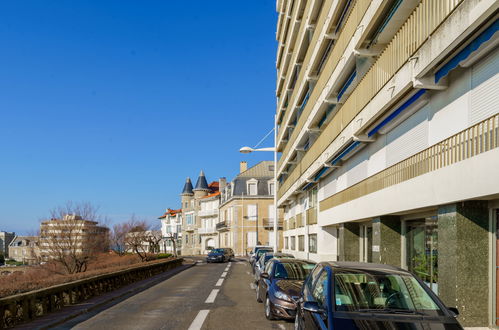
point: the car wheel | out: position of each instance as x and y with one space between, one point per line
268 310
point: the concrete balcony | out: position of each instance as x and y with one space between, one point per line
208 213
207 231
222 226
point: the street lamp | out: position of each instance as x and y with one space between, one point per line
247 150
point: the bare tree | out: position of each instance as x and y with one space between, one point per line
172 237
154 238
118 238
137 237
73 236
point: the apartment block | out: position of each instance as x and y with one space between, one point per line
388 134
171 230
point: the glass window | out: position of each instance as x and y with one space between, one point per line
356 291
268 267
292 270
301 243
422 250
252 189
293 244
312 243
271 189
286 243
320 290
252 210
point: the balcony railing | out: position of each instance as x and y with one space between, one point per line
268 223
415 31
207 213
222 225
207 230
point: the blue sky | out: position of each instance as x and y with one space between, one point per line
117 102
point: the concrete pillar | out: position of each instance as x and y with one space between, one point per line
463 260
386 240
349 241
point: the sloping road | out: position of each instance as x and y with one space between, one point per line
207 296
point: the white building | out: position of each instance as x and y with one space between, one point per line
208 216
171 229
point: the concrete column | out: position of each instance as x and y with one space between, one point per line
386 240
349 241
463 260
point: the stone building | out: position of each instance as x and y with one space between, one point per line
191 222
388 129
5 239
25 249
247 209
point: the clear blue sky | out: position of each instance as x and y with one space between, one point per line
117 102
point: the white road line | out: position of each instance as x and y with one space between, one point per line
224 274
253 286
248 273
212 296
226 269
281 326
219 282
199 320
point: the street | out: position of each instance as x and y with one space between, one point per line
207 296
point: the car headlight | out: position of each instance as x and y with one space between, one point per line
282 296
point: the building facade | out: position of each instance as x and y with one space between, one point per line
5 239
193 239
388 129
247 209
71 235
171 229
24 249
208 218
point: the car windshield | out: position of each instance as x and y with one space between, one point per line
260 252
361 292
217 251
292 270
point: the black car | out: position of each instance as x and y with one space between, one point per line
354 295
280 285
219 255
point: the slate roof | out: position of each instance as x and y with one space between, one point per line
187 187
201 184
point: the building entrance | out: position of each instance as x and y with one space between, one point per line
366 243
422 250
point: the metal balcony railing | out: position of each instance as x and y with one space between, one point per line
222 225
268 223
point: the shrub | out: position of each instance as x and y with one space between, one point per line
164 255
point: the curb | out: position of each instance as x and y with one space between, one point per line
51 320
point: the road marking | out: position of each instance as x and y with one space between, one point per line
248 273
199 320
219 282
227 268
281 326
253 286
224 274
212 296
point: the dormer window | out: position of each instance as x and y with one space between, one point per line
252 186
271 188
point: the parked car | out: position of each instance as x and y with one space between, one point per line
353 295
218 255
257 256
280 286
260 265
253 252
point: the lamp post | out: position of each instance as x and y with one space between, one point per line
247 150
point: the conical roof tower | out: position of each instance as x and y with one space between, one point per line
187 187
201 184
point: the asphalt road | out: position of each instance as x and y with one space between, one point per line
207 296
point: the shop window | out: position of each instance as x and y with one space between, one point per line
422 250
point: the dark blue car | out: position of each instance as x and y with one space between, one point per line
353 295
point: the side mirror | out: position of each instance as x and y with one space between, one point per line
312 306
264 275
454 311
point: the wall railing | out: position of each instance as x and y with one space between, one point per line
475 140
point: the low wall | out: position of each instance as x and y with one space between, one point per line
27 306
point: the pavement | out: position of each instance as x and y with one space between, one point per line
206 296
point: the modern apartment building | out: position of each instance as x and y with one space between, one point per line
171 230
388 129
194 240
247 209
71 235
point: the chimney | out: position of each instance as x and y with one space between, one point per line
243 166
222 182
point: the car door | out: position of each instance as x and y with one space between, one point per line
319 294
264 283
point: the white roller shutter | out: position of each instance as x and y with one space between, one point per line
485 86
